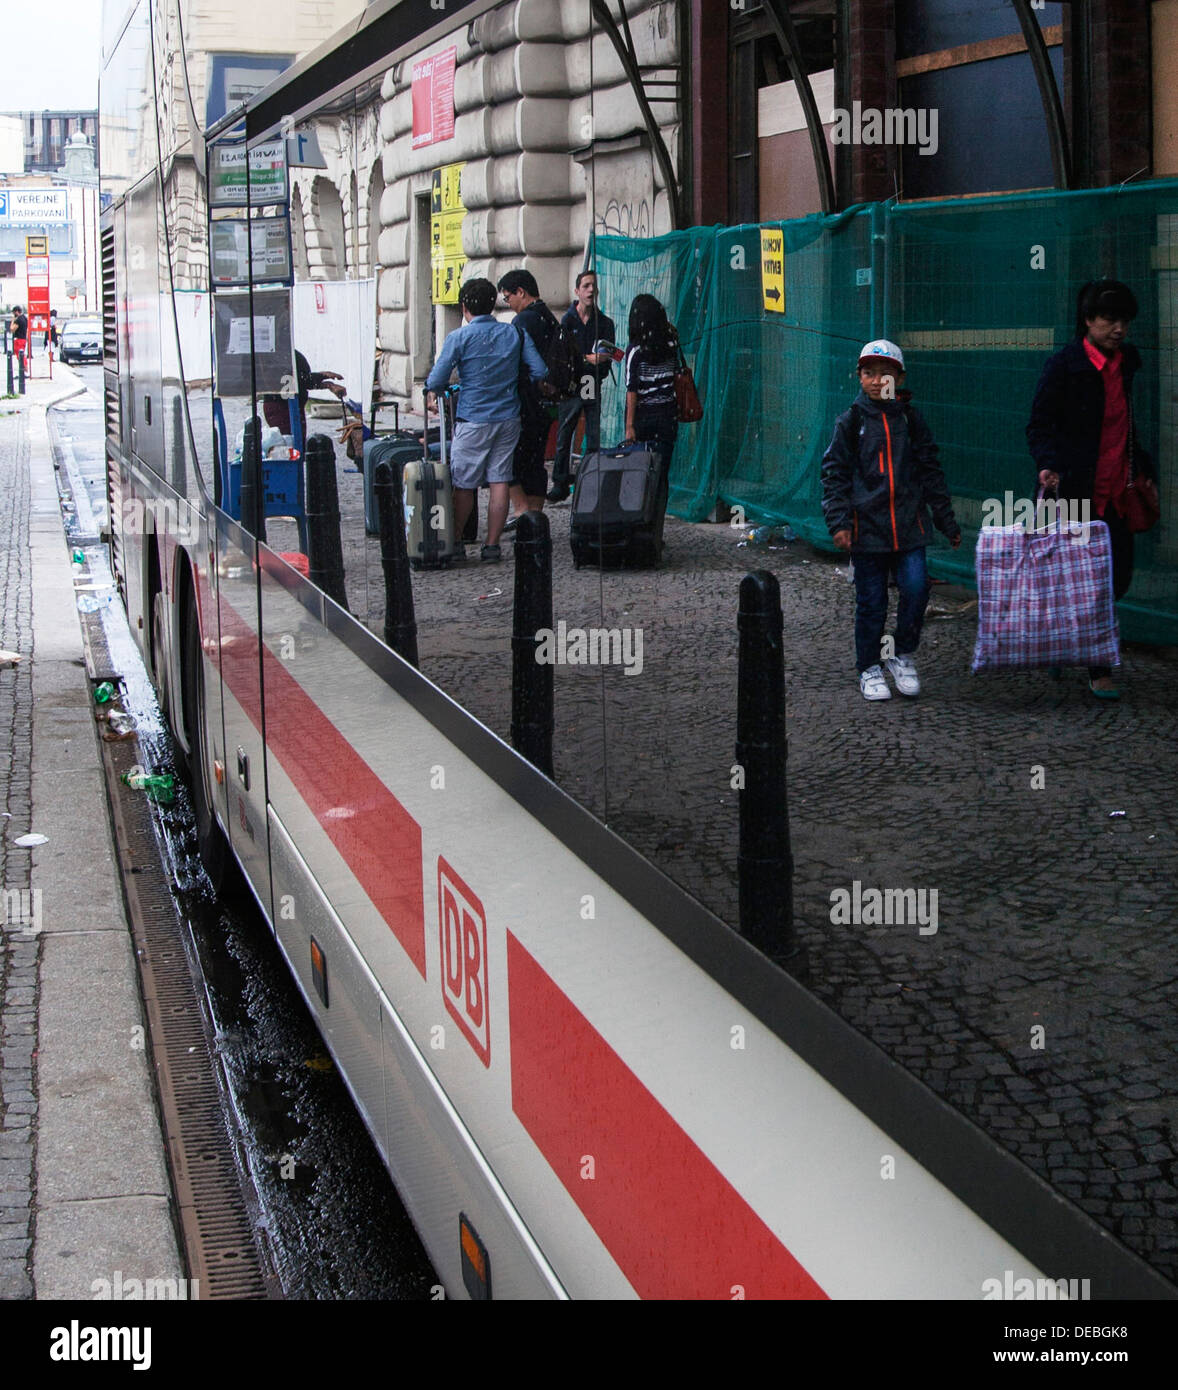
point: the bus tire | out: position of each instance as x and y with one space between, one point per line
210 838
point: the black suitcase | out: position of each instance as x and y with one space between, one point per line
396 449
619 507
429 504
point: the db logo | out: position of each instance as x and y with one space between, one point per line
462 931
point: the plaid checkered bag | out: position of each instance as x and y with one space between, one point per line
1045 598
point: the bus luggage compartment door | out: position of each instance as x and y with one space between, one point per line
241 689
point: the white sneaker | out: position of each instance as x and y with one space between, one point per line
902 670
873 685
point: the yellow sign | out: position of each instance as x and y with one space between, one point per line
36 246
773 270
447 281
447 235
447 260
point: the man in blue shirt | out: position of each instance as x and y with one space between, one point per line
588 326
486 355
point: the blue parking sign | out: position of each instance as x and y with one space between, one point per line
3 202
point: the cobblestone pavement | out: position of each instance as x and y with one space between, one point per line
1042 1005
19 957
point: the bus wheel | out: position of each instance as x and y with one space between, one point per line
214 852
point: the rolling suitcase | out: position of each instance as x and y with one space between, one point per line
619 506
429 504
397 450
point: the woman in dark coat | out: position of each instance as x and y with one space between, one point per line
1081 431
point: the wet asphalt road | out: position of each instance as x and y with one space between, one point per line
331 1223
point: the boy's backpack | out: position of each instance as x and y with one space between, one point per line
565 365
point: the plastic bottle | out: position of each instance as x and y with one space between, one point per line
103 693
78 556
160 786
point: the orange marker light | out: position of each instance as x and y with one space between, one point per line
476 1263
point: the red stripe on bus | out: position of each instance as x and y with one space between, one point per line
675 1226
378 838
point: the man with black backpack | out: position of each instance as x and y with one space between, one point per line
588 326
533 317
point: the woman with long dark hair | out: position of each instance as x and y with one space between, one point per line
652 357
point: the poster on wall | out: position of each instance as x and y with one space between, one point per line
253 351
433 98
230 240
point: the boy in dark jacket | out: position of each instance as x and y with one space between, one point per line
880 476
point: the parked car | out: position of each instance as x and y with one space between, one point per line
81 341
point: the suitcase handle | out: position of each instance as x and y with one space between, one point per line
446 398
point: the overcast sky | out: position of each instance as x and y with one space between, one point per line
52 52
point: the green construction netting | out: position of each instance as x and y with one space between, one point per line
977 291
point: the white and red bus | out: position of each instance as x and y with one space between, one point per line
583 1083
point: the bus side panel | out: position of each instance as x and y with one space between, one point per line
591 1060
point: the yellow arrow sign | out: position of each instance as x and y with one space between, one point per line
773 269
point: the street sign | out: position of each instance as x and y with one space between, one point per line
34 206
37 278
773 269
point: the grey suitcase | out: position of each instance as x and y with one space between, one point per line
429 505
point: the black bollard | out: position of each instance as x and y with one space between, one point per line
532 718
765 862
324 542
251 513
179 440
400 625
10 383
20 361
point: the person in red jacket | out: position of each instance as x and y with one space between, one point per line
1081 432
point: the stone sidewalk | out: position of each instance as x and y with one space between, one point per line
84 1190
1046 822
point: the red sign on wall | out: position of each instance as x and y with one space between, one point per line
433 98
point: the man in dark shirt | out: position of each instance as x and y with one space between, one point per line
536 319
20 332
588 326
276 409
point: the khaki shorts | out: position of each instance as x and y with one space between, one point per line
483 452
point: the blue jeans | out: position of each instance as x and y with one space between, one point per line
569 412
872 571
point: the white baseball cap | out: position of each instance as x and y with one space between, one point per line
882 348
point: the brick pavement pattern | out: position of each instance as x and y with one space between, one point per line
1054 914
20 954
